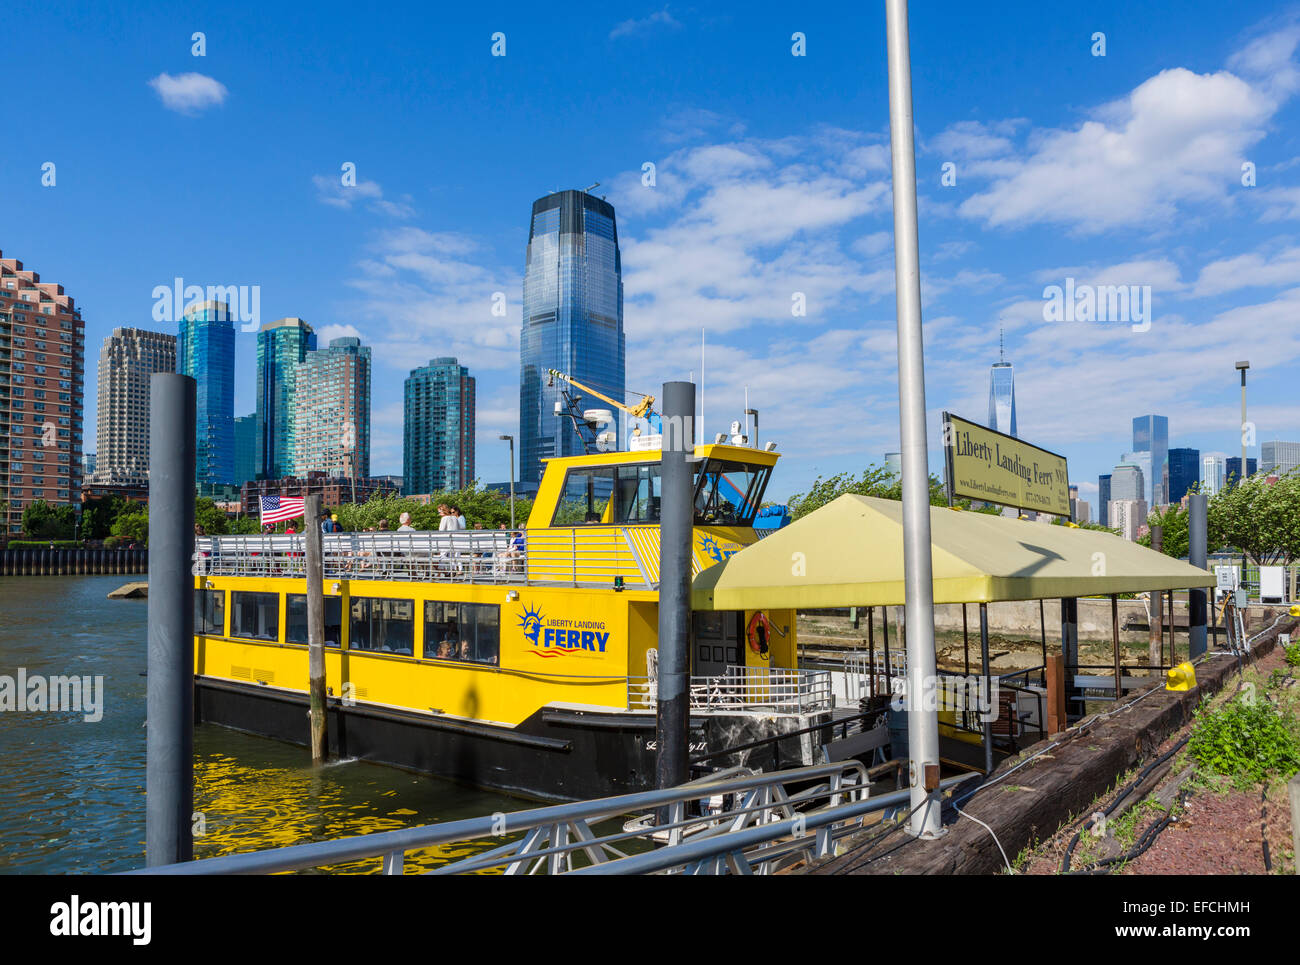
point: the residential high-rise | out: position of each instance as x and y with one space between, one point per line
87 467
205 351
42 378
1103 499
127 360
1002 394
1151 435
332 411
1232 469
1184 472
245 448
438 449
281 347
1126 482
1279 457
1213 467
572 322
1128 516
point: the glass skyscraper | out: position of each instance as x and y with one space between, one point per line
1151 435
1002 398
572 321
205 351
245 448
438 450
1103 499
1184 472
281 347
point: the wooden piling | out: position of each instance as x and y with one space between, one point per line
315 625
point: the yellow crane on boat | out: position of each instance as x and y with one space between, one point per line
642 410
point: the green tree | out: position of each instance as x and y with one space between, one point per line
1261 520
211 517
876 480
97 515
485 506
131 526
43 521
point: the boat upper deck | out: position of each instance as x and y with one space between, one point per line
556 557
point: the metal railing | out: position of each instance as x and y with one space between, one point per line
771 689
759 823
562 556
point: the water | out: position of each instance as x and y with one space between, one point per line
72 791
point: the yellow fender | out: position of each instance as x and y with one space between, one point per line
1182 677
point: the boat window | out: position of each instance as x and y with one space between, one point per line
382 626
255 616
728 493
210 611
295 619
462 631
584 500
637 495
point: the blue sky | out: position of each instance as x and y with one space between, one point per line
771 179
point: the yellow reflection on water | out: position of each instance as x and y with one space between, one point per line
250 804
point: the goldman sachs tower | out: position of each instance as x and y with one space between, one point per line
1002 394
572 321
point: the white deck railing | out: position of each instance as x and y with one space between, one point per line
746 688
562 556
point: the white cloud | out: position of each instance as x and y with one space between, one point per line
327 333
426 294
332 191
1249 271
628 28
1178 137
189 93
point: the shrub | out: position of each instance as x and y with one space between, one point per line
1245 742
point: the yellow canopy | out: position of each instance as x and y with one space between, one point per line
850 553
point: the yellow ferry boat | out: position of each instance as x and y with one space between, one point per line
525 662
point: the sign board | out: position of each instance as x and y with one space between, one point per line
993 467
1226 577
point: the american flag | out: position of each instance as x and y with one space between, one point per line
276 509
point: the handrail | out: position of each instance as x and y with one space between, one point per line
301 857
734 844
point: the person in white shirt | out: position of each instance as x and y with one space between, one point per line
448 521
406 527
460 518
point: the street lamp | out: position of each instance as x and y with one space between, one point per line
511 440
754 413
1241 474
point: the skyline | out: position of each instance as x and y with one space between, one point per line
768 184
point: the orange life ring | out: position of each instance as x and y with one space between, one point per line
757 640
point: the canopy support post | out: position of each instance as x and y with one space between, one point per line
1114 633
871 648
965 638
1042 632
1070 646
988 688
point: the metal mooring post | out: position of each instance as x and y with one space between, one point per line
922 722
676 519
169 691
1197 529
315 626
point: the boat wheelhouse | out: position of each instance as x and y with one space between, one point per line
521 661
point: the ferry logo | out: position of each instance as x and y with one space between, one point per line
554 637
716 551
531 621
